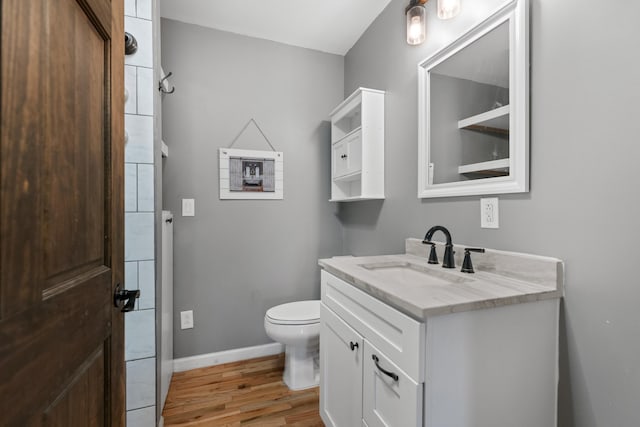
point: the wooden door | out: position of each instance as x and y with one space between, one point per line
61 212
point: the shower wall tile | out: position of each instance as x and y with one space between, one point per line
143 9
145 188
131 275
130 82
139 148
130 7
145 91
141 29
144 417
141 383
147 284
138 236
130 187
140 328
139 333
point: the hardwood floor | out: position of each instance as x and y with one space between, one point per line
247 393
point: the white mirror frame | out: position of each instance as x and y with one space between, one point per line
517 13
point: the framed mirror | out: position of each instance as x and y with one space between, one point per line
474 110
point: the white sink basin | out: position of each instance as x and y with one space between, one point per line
408 273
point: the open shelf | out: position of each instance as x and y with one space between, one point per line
349 177
498 167
347 135
493 121
356 198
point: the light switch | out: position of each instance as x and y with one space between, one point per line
188 207
186 319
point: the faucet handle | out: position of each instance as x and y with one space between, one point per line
433 256
467 266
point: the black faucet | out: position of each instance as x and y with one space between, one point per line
448 261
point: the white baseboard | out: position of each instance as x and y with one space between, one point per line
227 356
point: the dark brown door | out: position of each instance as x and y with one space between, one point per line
61 212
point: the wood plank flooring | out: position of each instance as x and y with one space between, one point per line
246 393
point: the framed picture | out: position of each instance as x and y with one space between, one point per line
251 174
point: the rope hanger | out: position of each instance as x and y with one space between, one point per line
245 128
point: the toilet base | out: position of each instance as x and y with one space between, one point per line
301 366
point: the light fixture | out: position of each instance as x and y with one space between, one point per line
416 18
448 9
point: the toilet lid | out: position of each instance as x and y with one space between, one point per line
295 313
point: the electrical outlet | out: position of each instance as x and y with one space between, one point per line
489 217
186 319
188 207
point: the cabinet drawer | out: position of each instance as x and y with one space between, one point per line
397 335
389 397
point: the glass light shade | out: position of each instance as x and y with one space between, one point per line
416 30
448 9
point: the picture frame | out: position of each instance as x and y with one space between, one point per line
251 174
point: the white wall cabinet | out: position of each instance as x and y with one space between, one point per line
494 367
357 147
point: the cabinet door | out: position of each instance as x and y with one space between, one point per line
341 351
391 398
340 159
354 152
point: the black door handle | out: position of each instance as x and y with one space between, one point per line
353 345
384 371
128 298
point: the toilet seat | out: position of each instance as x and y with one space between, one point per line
295 313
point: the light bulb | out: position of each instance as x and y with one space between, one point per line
448 9
416 25
415 28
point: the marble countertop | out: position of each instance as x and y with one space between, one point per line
423 290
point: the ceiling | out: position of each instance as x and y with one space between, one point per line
331 26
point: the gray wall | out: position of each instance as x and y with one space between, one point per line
236 259
584 203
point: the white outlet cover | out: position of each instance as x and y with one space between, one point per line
489 213
188 207
186 319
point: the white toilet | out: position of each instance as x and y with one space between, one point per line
297 326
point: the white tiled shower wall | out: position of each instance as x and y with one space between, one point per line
140 342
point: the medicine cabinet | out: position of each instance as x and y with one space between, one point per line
474 110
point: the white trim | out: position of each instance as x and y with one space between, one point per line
227 356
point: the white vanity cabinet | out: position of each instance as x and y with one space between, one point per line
371 360
483 353
357 147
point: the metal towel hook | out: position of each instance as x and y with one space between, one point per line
161 85
130 44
